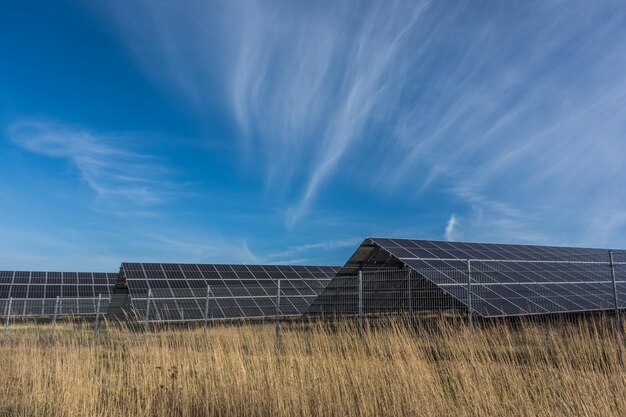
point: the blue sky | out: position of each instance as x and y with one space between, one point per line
285 132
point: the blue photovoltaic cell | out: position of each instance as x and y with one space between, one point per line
35 292
506 279
179 291
516 279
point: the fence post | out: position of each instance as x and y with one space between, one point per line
278 311
361 312
618 318
7 319
206 309
95 327
470 319
148 307
409 273
54 317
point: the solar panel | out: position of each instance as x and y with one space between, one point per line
34 293
505 279
179 291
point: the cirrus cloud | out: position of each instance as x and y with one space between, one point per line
116 175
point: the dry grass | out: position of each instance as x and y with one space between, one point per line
240 371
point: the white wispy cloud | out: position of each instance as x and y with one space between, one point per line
189 246
115 174
24 248
303 82
450 228
309 253
516 110
107 246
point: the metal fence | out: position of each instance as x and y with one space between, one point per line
427 289
48 307
372 294
18 308
489 288
211 308
207 305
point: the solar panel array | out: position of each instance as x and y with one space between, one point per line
179 291
35 293
516 279
398 274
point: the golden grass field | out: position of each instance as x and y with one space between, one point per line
535 370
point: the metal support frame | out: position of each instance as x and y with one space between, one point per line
7 319
206 309
410 300
278 311
470 319
54 317
56 313
361 311
97 324
148 307
618 318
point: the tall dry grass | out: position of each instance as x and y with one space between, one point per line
533 370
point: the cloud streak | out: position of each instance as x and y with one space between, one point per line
116 175
516 111
303 82
450 228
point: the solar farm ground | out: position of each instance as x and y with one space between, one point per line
240 370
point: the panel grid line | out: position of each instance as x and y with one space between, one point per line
505 280
236 291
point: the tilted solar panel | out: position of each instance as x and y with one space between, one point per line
429 249
181 292
516 279
35 293
503 279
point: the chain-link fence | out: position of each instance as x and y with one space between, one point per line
83 308
423 290
49 307
382 293
282 298
486 288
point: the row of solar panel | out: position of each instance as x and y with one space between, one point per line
513 287
235 290
48 307
500 300
488 300
425 249
43 278
518 279
53 291
218 271
34 293
179 291
225 288
448 272
180 309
